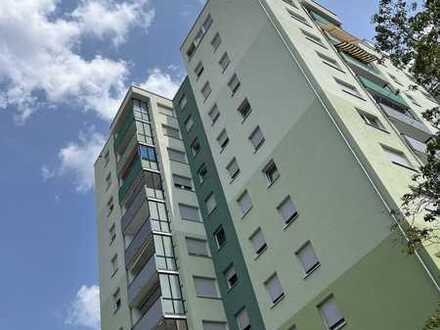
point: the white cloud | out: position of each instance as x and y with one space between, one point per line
47 173
77 159
105 18
162 83
84 310
39 61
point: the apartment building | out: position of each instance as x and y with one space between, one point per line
263 195
301 142
156 270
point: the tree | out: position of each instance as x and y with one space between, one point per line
409 35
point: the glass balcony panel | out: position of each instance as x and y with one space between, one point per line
140 246
383 91
154 319
144 284
406 124
136 214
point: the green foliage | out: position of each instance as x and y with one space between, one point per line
409 35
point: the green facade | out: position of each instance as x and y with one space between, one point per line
242 294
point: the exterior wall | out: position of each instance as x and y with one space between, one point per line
323 150
394 291
106 249
242 295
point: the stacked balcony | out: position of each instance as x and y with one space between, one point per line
154 319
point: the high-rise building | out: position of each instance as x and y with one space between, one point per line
264 195
155 266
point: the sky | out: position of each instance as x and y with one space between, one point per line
64 68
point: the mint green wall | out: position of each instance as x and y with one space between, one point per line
242 294
386 290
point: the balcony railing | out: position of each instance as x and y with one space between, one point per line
135 170
129 151
384 92
154 319
406 124
143 284
136 213
141 246
416 145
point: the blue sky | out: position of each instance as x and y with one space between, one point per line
64 66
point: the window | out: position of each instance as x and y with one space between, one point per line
165 110
395 79
211 203
197 247
349 88
231 277
199 69
298 17
199 36
191 50
245 203
189 123
429 96
176 155
182 182
413 100
271 172
106 158
234 84
244 109
306 254
114 263
287 210
274 289
214 114
233 169
190 213
195 147
331 314
291 3
183 101
223 139
258 241
110 206
313 38
202 173
224 61
116 300
330 61
242 319
397 157
216 41
210 325
112 233
371 120
108 181
171 131
220 237
206 90
206 287
257 139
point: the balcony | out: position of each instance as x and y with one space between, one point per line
383 91
406 124
136 214
129 152
365 70
140 248
154 319
144 284
124 135
131 181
